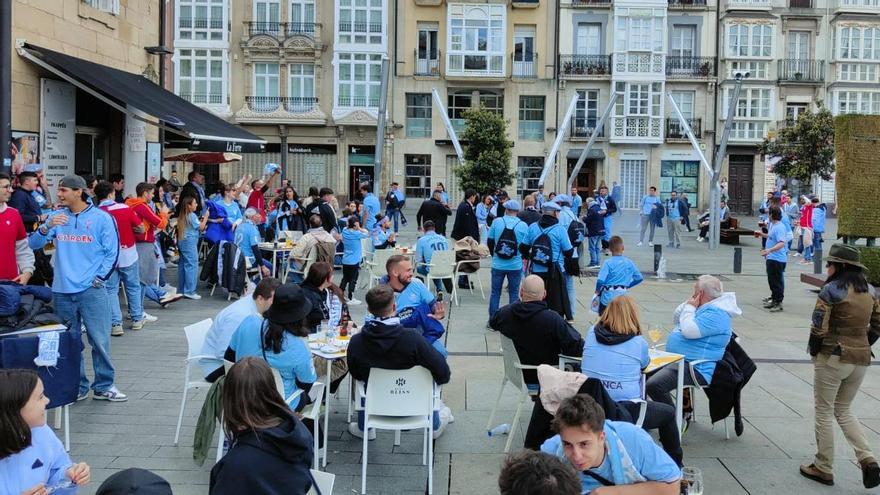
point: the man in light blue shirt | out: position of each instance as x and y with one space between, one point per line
566 217
576 201
675 212
371 206
247 238
776 253
547 244
647 205
506 258
426 245
228 320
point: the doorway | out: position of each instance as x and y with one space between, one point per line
359 174
91 150
739 183
586 178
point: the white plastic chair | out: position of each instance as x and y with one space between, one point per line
192 375
377 265
690 366
441 267
513 375
324 481
468 275
65 412
643 402
306 263
400 400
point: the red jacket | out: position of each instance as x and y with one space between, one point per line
126 222
806 216
150 219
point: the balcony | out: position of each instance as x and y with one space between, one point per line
639 63
280 30
687 4
202 98
800 4
280 110
675 131
590 4
190 23
357 102
426 66
690 67
525 4
858 6
801 71
265 38
748 5
256 28
428 3
582 128
524 69
584 66
360 27
642 129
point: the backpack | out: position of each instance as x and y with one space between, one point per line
576 232
506 245
541 252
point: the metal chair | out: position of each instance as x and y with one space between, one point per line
324 482
306 263
376 267
513 375
468 275
692 371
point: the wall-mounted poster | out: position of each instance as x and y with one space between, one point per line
25 150
57 128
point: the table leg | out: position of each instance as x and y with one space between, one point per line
679 397
326 411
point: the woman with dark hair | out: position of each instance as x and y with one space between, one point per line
32 459
313 196
277 337
328 300
845 324
271 450
286 213
188 228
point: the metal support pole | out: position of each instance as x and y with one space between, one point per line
817 261
448 124
658 254
560 135
593 136
737 259
715 207
380 125
6 82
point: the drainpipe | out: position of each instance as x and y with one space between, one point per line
556 80
6 81
718 78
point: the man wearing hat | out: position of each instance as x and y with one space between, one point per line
503 240
546 246
86 249
576 237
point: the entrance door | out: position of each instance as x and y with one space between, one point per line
359 174
739 183
632 182
586 178
91 149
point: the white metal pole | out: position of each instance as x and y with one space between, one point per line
379 154
715 207
690 135
448 124
593 136
561 130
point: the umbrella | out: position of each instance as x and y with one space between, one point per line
204 157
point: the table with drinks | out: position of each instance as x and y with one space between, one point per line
284 248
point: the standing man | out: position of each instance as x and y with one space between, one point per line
394 204
126 271
818 223
608 207
776 255
466 225
371 206
539 196
174 181
576 201
86 249
16 257
647 205
616 192
146 246
675 212
530 213
688 206
504 238
322 208
195 187
575 230
23 201
118 181
546 245
435 210
257 198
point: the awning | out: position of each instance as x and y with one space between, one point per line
202 157
139 97
594 154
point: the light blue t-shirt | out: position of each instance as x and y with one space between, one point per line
371 208
520 230
221 331
352 253
380 236
617 275
672 209
559 243
576 202
776 234
648 203
482 213
619 366
44 461
427 244
649 461
191 231
294 362
246 236
715 331
233 211
414 294
401 197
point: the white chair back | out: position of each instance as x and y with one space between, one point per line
400 393
512 370
195 336
279 382
324 481
442 264
367 246
380 257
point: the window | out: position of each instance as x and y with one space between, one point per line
857 72
531 118
589 39
418 175
266 95
793 111
528 173
586 113
748 131
456 106
859 43
798 45
200 76
524 52
680 176
749 40
301 87
754 103
201 20
864 102
493 102
476 39
427 54
641 33
638 112
860 3
266 17
361 21
756 68
109 6
302 16
632 182
360 80
685 102
683 40
418 115
637 99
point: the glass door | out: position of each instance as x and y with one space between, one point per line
266 18
682 49
302 17
524 51
797 63
266 95
427 56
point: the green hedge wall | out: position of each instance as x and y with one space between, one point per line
871 259
856 147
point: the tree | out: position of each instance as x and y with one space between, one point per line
487 157
805 148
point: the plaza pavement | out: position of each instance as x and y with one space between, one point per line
777 403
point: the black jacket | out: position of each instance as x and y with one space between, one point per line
319 311
325 211
392 347
271 461
539 334
27 207
435 211
732 373
465 222
189 189
529 215
594 222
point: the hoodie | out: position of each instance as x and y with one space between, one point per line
271 461
819 212
704 332
150 219
539 334
43 461
594 222
385 343
617 360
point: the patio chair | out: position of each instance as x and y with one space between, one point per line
192 375
513 375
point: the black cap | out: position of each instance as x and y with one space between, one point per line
133 481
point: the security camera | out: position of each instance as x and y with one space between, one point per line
742 75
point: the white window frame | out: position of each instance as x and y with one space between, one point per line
858 43
108 6
640 30
680 34
854 72
749 41
301 86
532 129
759 69
361 23
586 111
753 104
685 101
423 124
306 14
212 25
466 25
864 102
363 93
588 39
211 57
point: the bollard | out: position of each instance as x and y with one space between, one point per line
737 260
658 253
817 261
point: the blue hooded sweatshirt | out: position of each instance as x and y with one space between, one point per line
819 213
704 332
86 248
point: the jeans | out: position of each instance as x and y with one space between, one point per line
644 223
514 277
595 247
187 265
661 417
393 215
569 285
665 380
132 283
776 280
92 309
835 385
817 241
438 284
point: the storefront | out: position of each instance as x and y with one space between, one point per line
361 160
680 172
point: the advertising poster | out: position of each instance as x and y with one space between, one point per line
154 162
57 129
25 151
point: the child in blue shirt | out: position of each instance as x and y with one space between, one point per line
425 247
617 276
352 256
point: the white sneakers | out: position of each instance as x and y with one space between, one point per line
193 296
149 318
357 433
354 302
639 244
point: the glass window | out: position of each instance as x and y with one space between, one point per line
528 173
109 6
859 43
683 40
200 76
586 113
531 118
360 80
476 39
637 98
749 40
418 175
857 72
301 87
360 22
302 16
754 103
682 177
418 115
202 20
685 102
589 39
457 104
864 102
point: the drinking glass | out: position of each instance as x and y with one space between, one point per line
654 335
693 479
324 331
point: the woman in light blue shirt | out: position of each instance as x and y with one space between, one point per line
188 229
352 256
616 354
482 211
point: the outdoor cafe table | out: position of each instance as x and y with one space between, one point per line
659 359
329 357
275 248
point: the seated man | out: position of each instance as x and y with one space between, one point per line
248 239
702 331
311 239
416 306
429 242
384 343
539 334
228 320
610 456
535 473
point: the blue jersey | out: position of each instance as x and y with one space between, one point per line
715 331
576 203
617 276
647 204
233 211
414 294
559 243
427 244
247 236
352 253
776 234
520 230
371 208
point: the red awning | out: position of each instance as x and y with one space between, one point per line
205 157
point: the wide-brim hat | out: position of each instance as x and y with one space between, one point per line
848 255
289 305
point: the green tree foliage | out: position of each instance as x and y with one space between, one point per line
805 148
487 156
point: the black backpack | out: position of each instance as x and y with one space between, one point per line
506 245
576 232
541 252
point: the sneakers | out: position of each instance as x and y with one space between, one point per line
810 471
169 298
356 432
82 396
116 331
870 474
192 296
678 246
593 266
138 325
701 239
112 395
639 244
767 299
805 262
670 245
354 302
650 244
775 308
169 288
149 318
